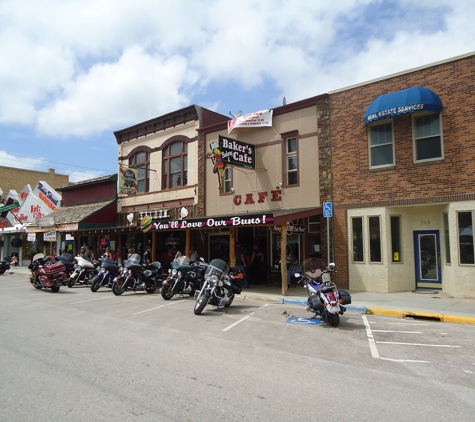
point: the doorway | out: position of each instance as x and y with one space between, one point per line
427 259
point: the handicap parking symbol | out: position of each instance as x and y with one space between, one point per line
295 320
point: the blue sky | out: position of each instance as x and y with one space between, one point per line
73 72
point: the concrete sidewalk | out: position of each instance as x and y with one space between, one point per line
423 304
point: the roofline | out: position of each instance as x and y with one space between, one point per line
109 178
403 72
277 111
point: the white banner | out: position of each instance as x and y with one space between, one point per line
257 119
49 237
31 237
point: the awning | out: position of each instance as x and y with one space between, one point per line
410 100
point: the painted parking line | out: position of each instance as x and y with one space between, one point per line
369 333
161 306
397 331
238 322
417 344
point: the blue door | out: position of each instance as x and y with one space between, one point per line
427 259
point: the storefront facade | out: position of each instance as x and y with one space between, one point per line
403 166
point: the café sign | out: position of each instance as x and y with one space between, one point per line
237 153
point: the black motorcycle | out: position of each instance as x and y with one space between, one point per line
109 270
4 266
136 277
183 277
219 287
68 261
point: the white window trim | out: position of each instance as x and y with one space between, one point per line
413 122
381 122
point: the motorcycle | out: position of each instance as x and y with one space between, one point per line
136 277
324 299
109 270
47 273
4 266
183 278
219 287
84 271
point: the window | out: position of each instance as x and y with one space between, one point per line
396 238
465 222
427 137
314 224
228 179
357 228
291 161
447 239
381 145
374 240
175 165
141 162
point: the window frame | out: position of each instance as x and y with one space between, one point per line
141 166
286 137
414 118
459 243
371 147
396 243
359 241
167 158
370 240
227 181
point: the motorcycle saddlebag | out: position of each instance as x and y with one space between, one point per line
345 296
314 303
53 267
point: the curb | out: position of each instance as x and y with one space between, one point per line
454 319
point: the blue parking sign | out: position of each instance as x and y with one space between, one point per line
327 209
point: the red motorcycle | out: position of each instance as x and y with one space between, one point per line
47 273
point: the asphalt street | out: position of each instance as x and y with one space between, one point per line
77 355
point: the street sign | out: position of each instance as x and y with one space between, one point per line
328 209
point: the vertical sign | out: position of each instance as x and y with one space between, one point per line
328 213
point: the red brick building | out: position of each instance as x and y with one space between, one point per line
403 156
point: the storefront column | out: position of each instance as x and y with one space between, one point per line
283 258
154 246
232 246
187 242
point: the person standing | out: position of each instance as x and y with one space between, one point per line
257 261
241 263
147 256
193 255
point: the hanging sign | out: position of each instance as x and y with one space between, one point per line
257 119
237 153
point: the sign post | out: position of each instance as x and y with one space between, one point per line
328 213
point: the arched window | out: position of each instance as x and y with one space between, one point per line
141 162
175 165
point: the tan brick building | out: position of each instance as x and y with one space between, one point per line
16 178
403 180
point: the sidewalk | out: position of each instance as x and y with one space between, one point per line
431 304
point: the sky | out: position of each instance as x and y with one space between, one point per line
75 71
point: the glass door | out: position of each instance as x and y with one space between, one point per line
427 259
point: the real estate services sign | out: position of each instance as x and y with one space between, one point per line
237 153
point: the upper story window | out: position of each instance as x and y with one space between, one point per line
291 159
381 144
228 179
175 165
427 130
141 162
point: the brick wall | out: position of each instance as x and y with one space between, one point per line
355 185
17 179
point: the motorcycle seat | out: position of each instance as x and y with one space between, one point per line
326 289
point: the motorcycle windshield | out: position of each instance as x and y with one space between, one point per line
217 267
133 260
181 260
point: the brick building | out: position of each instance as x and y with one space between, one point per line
13 178
403 174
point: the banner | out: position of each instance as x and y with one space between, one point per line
257 119
236 153
49 237
128 181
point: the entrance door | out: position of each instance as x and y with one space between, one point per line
427 259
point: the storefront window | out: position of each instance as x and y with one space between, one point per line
357 229
396 238
374 239
292 250
466 237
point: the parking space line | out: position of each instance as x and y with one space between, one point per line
406 360
397 331
158 307
369 334
416 344
238 322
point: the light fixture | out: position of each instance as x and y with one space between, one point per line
232 190
280 184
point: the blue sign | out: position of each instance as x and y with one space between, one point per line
327 209
307 321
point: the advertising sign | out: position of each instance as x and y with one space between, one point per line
49 237
237 153
257 119
128 181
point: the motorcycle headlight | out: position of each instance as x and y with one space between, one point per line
213 279
174 272
179 273
103 270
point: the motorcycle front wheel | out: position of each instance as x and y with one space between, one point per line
96 284
55 289
201 302
168 292
119 287
71 282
